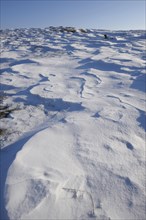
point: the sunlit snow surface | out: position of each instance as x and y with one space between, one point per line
74 144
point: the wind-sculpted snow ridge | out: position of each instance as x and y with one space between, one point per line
72 124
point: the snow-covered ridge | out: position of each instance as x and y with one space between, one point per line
72 124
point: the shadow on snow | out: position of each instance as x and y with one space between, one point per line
7 156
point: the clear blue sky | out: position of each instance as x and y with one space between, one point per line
100 14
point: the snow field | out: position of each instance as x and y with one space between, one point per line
76 143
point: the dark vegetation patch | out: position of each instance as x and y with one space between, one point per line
2 114
83 31
2 131
67 29
5 111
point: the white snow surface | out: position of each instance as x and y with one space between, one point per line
74 146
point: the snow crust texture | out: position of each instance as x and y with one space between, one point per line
73 142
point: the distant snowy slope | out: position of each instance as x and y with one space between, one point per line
73 124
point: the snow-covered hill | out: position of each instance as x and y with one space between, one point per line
72 124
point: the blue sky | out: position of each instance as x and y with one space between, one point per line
100 14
